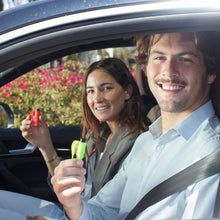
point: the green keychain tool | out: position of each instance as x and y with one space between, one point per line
78 149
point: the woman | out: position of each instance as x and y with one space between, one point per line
112 119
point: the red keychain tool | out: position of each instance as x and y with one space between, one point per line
35 117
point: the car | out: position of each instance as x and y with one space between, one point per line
40 33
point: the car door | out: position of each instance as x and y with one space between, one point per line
45 31
22 168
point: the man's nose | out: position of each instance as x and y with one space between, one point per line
170 68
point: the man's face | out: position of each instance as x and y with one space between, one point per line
177 74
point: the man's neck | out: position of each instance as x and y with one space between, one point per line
170 119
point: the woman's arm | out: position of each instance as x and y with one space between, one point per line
40 137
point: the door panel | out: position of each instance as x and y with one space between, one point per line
27 172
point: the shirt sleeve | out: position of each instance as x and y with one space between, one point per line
200 200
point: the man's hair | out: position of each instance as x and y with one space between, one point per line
206 41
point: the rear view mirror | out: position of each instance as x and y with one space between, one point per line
6 116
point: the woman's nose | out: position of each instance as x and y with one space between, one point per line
98 96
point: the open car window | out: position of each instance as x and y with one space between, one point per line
55 88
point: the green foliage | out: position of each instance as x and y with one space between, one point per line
3 118
55 91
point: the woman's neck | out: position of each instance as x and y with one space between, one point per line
113 125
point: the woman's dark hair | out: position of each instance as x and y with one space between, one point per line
132 114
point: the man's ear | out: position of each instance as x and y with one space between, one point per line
211 78
128 92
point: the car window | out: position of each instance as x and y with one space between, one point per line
55 88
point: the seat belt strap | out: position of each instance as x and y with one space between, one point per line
216 213
196 172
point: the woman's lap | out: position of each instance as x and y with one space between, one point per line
20 205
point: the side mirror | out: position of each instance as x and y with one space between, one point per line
6 116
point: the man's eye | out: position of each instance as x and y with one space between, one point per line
159 58
187 60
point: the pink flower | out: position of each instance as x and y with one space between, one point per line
8 85
6 93
15 100
80 78
57 78
72 78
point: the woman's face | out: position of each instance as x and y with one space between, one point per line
105 96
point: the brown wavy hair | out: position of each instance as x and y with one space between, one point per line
132 113
205 41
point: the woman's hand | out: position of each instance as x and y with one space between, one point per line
68 183
38 136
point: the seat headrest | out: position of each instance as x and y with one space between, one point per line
215 94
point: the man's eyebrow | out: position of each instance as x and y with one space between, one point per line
189 53
157 52
180 54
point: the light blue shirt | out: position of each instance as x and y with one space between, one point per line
153 159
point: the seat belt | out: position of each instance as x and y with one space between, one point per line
205 167
216 213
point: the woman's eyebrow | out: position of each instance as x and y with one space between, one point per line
89 87
101 85
106 83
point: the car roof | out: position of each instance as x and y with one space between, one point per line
45 9
35 33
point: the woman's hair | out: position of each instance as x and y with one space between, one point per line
132 113
205 41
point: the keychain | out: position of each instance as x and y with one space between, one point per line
35 117
78 149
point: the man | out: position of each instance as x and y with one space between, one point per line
180 76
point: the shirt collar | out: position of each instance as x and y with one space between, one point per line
155 128
187 126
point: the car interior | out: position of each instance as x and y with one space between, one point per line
22 168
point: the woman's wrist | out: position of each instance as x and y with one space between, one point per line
53 159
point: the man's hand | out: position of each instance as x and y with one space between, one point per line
68 183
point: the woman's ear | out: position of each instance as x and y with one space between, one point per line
128 92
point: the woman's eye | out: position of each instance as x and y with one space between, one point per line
90 91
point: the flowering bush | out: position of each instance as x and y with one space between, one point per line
56 92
